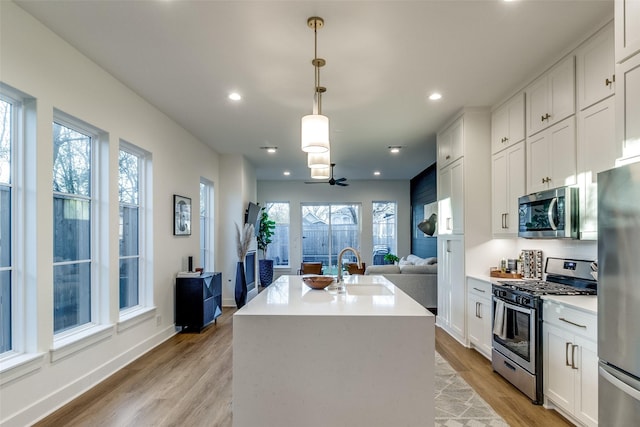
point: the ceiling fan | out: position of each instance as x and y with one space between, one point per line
340 181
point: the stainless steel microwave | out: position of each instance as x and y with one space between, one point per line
550 214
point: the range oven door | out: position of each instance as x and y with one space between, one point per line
516 337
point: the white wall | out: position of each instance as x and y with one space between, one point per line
364 192
237 189
37 62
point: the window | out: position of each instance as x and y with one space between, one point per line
326 230
129 165
278 250
384 230
73 206
7 136
206 225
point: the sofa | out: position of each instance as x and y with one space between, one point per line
415 276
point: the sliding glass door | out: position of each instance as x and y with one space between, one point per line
326 230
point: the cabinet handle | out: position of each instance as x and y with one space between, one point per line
546 179
448 157
545 117
573 323
566 354
479 290
573 357
607 82
479 310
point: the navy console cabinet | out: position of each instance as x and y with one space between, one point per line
198 300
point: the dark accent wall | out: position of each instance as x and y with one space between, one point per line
423 191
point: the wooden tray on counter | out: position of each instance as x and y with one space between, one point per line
498 273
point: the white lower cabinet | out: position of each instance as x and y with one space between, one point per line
479 315
570 362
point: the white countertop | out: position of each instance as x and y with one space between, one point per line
588 303
289 296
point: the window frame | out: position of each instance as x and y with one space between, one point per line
145 309
393 247
207 248
15 339
132 150
267 207
331 206
24 357
98 246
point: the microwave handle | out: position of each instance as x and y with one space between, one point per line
552 207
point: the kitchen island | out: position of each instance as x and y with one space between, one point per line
304 357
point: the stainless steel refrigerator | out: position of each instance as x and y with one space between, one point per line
619 296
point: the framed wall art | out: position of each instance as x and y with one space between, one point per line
181 216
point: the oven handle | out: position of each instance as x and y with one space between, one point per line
552 207
521 309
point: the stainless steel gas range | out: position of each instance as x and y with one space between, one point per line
517 320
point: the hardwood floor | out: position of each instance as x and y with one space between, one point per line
186 381
516 409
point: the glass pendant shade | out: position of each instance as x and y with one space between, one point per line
319 160
315 133
320 173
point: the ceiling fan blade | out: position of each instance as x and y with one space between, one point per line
341 179
342 184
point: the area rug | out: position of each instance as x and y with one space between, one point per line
457 404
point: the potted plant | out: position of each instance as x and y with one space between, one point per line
266 229
391 258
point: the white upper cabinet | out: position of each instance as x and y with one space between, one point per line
595 65
508 184
551 98
450 144
451 199
628 107
627 18
551 157
507 124
597 152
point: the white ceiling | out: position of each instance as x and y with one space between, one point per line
383 59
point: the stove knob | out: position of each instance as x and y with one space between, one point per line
525 301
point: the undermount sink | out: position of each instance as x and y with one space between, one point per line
368 290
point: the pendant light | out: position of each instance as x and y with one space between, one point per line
315 127
321 173
319 160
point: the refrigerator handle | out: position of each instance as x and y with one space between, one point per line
616 382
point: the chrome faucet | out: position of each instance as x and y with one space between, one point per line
339 279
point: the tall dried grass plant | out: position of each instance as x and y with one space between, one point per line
243 240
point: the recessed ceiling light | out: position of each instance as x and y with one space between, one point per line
376 173
286 173
269 149
235 96
394 149
435 96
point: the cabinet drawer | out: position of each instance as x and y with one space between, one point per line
570 319
478 287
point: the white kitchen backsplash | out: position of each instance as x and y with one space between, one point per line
576 249
491 252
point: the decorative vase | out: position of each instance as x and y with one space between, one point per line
266 272
241 285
